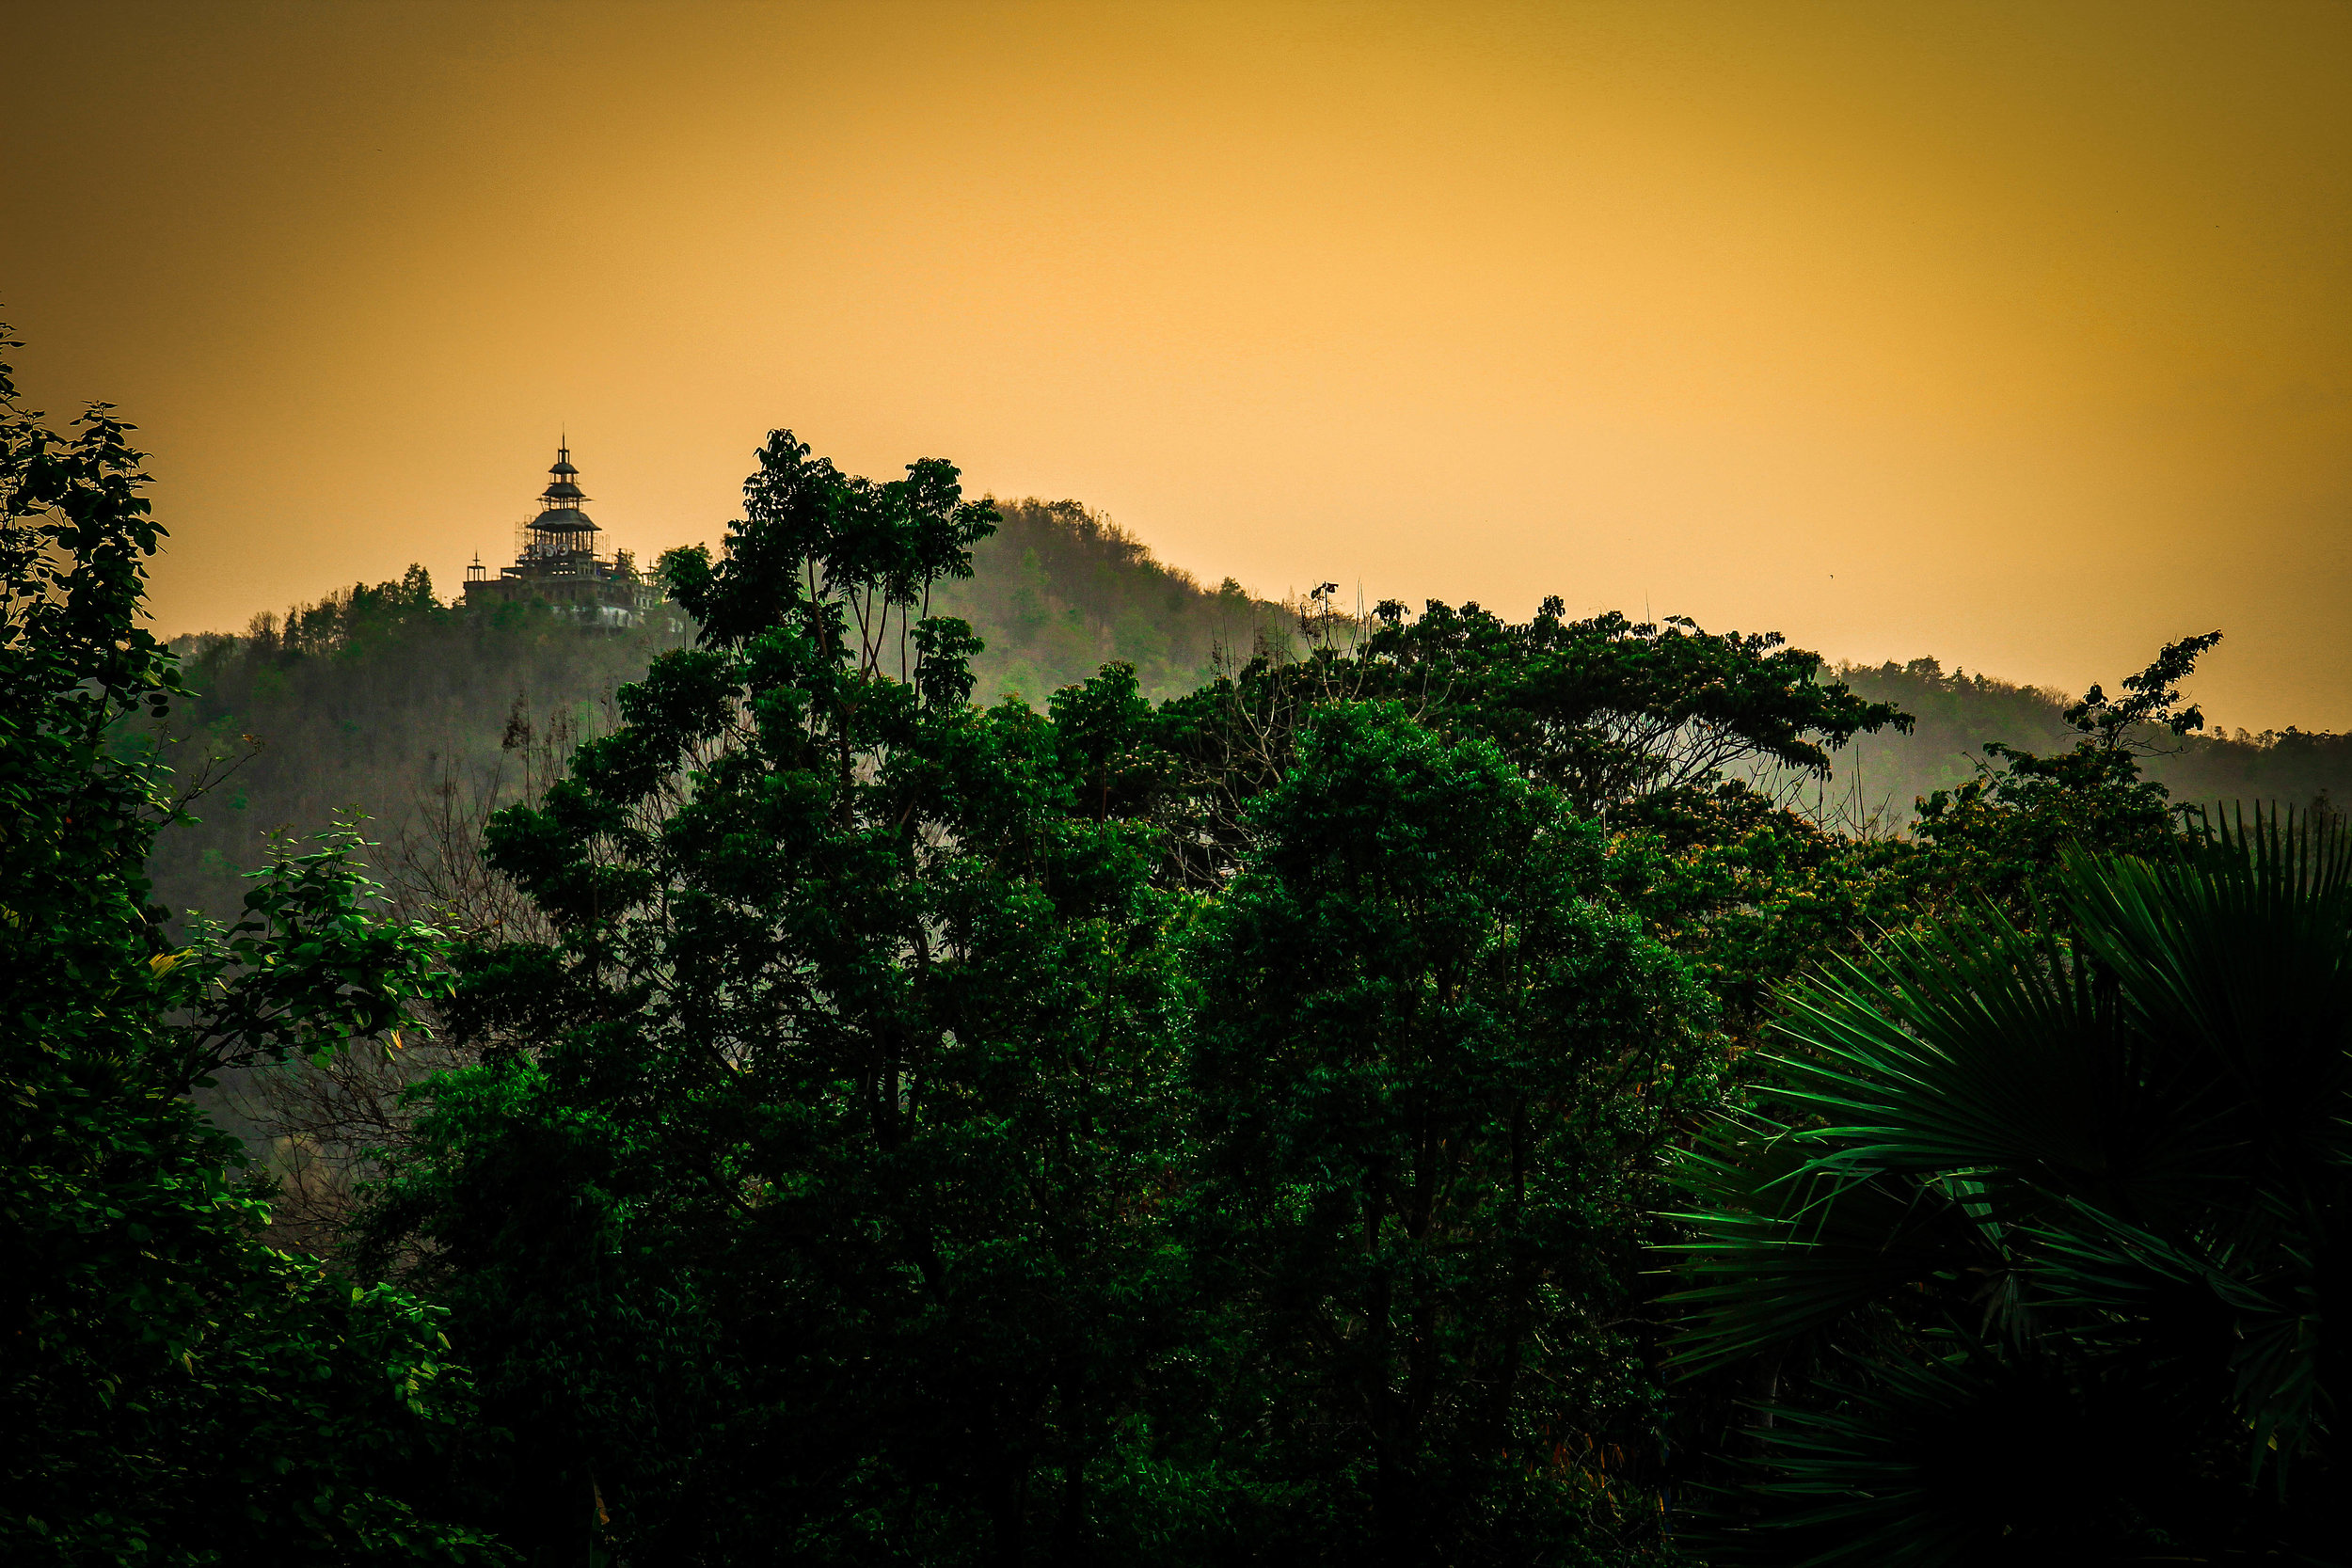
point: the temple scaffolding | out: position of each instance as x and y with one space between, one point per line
556 563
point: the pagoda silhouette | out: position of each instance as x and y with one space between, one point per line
556 563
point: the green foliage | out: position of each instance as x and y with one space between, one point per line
378 700
1637 726
874 1159
2004 834
1216 1119
381 699
1058 591
1432 1063
175 1391
352 622
1610 711
1880 778
1753 894
2044 1232
811 1188
1647 729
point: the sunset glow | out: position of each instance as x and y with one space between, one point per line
2016 335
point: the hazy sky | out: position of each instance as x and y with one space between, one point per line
2016 334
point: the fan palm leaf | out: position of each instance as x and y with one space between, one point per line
2115 1166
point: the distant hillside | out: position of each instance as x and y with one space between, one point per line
1060 591
1879 777
381 700
386 700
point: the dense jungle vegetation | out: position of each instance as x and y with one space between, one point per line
1424 1089
385 700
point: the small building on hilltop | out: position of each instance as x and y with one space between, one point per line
556 563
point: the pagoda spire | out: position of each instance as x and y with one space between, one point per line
557 563
562 534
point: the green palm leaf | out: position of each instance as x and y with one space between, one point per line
2099 1184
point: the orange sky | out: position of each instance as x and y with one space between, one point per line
2016 334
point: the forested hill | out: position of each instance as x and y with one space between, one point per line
1057 592
1322 1117
1879 777
386 700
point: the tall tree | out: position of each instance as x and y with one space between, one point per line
1432 1061
810 1191
2005 835
175 1391
1686 747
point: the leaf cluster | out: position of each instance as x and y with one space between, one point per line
174 1384
2050 1223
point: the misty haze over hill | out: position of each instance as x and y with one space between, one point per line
388 701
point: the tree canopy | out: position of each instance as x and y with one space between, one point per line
174 1385
1432 1092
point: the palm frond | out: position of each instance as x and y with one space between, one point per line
1784 1248
2110 1176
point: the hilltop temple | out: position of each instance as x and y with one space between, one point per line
556 563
